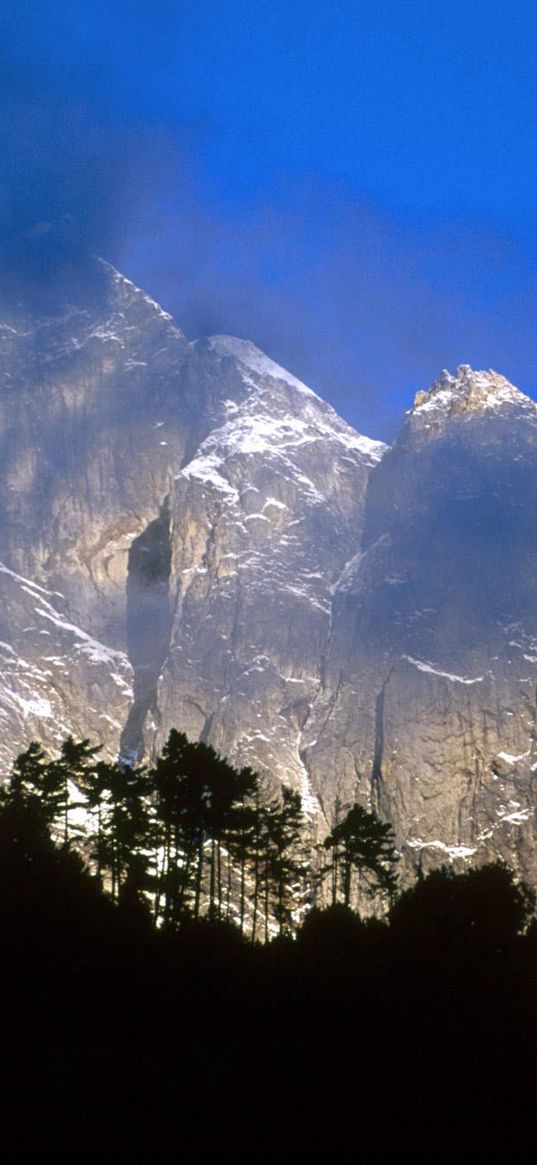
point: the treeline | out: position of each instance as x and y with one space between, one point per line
410 1033
192 836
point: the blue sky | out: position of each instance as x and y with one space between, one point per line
351 185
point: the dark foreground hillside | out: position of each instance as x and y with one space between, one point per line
414 1037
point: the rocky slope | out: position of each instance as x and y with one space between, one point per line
428 708
188 505
190 537
262 520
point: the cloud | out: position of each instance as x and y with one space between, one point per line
81 161
366 307
100 153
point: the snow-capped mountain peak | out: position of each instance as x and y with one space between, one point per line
290 413
255 360
469 390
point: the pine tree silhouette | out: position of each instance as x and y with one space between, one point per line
362 844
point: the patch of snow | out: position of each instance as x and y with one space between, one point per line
453 851
513 814
122 281
445 675
35 706
27 582
274 502
256 360
310 801
486 390
206 467
323 421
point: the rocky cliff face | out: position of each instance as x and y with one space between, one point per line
428 706
188 507
262 520
190 537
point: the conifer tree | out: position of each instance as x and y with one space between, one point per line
286 854
28 783
122 843
277 859
240 837
179 781
73 768
362 845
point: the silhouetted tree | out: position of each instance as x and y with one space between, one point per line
333 934
67 775
276 858
180 806
123 841
28 783
362 844
201 804
286 854
96 793
239 836
481 908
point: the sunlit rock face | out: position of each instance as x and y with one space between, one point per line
262 519
428 706
188 506
99 407
55 678
191 538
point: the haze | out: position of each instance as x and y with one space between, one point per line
353 187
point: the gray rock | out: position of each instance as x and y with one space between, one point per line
428 706
190 537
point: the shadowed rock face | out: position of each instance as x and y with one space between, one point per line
191 538
429 704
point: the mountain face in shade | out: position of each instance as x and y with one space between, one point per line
190 537
428 708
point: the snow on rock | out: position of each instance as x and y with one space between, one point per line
255 360
264 516
452 851
275 426
467 390
312 423
513 812
445 675
126 287
55 679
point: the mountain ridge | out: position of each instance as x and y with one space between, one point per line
327 609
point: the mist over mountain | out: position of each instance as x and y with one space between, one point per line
191 537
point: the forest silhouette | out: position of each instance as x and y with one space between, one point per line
142 1013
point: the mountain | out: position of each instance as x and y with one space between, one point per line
428 706
190 537
183 506
263 519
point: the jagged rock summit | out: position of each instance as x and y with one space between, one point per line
467 390
191 537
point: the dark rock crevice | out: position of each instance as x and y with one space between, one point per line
149 618
378 751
